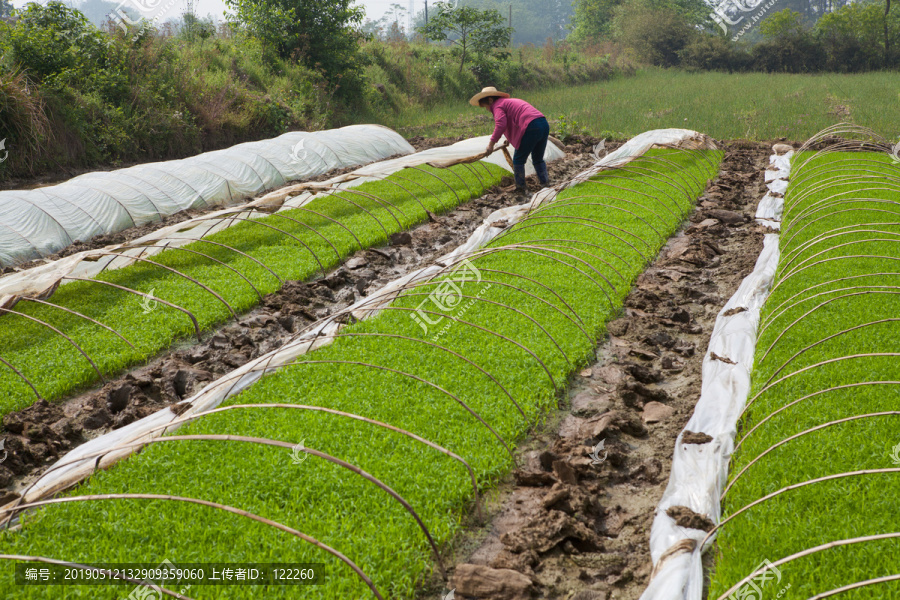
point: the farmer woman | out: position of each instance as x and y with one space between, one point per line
525 128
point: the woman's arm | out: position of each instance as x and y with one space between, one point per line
499 128
499 125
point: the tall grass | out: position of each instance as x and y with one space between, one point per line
755 106
412 75
23 121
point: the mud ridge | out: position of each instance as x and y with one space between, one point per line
573 523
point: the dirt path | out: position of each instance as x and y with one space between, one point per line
563 528
38 435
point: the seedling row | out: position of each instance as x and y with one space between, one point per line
815 476
90 329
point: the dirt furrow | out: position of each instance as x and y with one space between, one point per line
571 526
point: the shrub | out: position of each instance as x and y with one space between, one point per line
656 35
713 53
53 39
321 35
852 38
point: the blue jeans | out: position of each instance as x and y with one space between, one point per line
534 143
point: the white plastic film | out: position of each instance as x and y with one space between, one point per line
40 222
41 281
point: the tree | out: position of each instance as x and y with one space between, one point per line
782 25
887 35
6 9
657 35
395 31
52 39
321 34
592 20
470 31
788 45
101 11
398 11
853 37
595 20
533 20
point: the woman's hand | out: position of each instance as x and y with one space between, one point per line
490 149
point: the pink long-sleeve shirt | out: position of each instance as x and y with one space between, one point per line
511 118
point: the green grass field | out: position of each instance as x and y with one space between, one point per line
756 106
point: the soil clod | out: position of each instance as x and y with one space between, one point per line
478 581
685 517
692 437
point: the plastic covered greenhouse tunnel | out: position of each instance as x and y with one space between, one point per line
328 365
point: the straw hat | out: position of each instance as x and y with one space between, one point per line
488 91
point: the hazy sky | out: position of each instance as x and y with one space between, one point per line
374 8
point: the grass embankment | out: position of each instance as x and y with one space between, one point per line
756 106
74 97
602 251
840 252
371 213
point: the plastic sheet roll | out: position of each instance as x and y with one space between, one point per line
37 223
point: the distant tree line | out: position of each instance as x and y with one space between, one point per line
795 36
533 21
77 91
